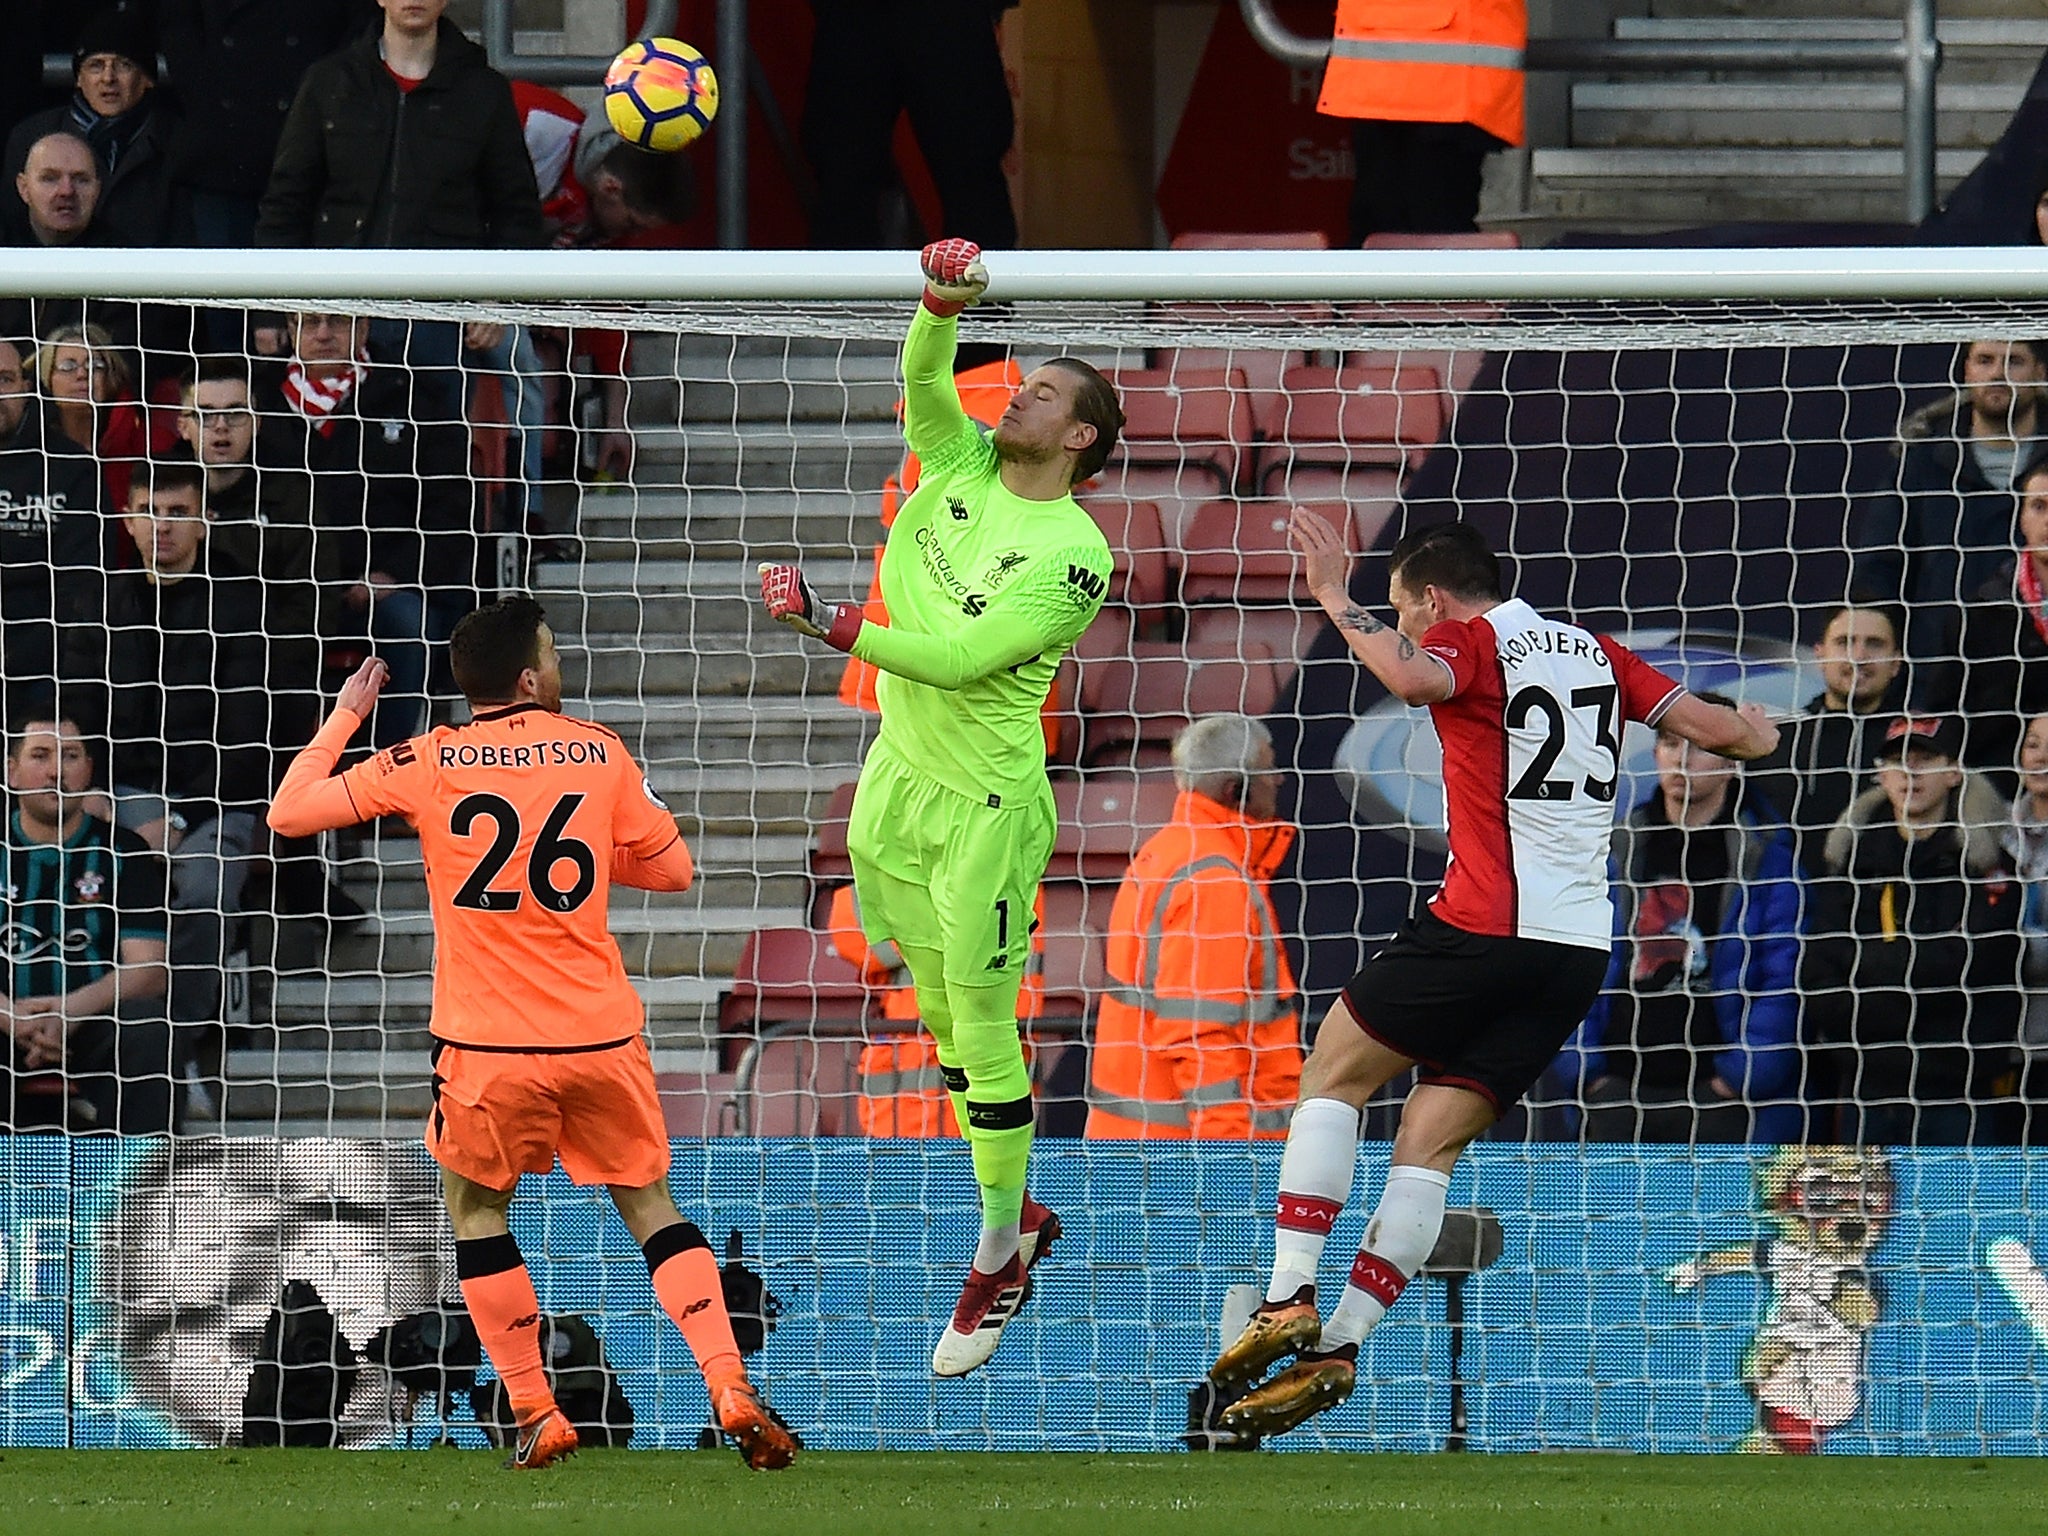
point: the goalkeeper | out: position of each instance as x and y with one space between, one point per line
990 573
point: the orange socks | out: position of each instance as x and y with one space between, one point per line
686 1283
499 1294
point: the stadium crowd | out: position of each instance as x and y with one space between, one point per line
207 517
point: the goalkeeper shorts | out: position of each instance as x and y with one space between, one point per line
936 869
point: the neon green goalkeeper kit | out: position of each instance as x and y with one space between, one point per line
953 822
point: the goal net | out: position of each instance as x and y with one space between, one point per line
1776 1194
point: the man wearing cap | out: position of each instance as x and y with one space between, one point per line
1912 973
115 109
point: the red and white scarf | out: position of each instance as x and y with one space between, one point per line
2028 580
318 399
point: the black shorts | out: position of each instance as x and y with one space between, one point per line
1475 1011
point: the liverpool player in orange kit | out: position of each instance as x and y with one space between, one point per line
527 817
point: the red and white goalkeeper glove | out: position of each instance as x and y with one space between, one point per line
953 276
790 600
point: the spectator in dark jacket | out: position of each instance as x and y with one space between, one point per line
52 552
237 65
415 148
2002 680
1696 1035
181 668
1826 755
116 109
392 499
1946 526
1912 973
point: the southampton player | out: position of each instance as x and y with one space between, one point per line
990 574
1482 987
527 817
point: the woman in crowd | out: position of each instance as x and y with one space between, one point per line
91 384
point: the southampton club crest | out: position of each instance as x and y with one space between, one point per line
90 886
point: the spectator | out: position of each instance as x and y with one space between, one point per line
1912 972
870 63
1944 528
361 163
1199 1033
83 905
59 187
1695 1037
181 667
52 555
237 65
1434 91
89 383
117 110
1825 756
2026 844
391 496
2003 676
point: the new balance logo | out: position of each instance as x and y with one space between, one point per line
697 1306
958 508
531 1319
1086 582
973 605
1001 962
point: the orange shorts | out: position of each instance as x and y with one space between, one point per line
498 1114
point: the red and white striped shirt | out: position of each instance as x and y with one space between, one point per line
1532 751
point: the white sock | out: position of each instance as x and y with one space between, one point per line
1315 1181
997 1247
1398 1240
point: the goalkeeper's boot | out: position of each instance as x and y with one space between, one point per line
1037 1230
1317 1380
547 1440
765 1442
986 1305
1277 1328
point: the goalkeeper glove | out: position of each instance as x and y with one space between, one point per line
953 276
790 600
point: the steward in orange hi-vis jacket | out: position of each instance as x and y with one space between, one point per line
1199 1035
1429 61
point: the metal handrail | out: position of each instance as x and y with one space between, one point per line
1915 54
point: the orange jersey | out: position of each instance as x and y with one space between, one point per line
526 820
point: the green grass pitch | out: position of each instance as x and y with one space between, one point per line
621 1493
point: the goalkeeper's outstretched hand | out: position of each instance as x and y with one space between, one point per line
953 276
790 600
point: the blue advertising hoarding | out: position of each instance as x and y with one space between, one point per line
1648 1299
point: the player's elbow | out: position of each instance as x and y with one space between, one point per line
286 822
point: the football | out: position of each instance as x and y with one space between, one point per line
660 94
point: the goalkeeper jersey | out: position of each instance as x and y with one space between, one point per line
986 591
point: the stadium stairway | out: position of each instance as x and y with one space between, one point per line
1661 151
747 450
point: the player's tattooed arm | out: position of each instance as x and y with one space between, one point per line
1358 621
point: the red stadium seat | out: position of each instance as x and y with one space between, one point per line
791 976
696 1105
1238 552
1103 820
1140 579
1262 369
1475 240
1342 418
1282 240
830 863
802 1086
1194 424
1074 976
1133 709
1286 632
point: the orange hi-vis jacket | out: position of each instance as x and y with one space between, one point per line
1429 61
901 1091
1199 1034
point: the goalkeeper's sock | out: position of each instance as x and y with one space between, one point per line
1398 1241
499 1294
999 1113
692 1293
1315 1181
